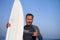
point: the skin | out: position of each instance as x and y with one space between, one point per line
29 21
8 25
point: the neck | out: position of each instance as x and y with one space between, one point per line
29 25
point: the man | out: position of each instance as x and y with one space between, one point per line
30 31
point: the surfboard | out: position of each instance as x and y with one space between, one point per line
15 31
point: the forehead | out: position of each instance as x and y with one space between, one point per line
29 16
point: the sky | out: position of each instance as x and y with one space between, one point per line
46 16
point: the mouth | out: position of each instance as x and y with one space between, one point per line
29 22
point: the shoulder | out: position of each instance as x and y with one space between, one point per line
24 25
35 26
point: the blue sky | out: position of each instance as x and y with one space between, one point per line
46 16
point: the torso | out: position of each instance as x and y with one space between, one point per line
27 36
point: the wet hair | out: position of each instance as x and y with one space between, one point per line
29 14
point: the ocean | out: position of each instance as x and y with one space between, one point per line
3 38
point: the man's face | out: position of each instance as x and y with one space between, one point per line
29 20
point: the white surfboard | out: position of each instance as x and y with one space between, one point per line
15 31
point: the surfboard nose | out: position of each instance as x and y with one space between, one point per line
16 0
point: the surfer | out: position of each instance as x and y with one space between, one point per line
31 32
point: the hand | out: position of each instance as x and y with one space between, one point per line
8 25
35 34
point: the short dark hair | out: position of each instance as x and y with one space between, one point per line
29 14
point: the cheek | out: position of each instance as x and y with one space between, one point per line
27 20
31 20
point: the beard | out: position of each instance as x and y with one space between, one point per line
29 23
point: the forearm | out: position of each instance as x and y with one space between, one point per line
40 37
39 34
